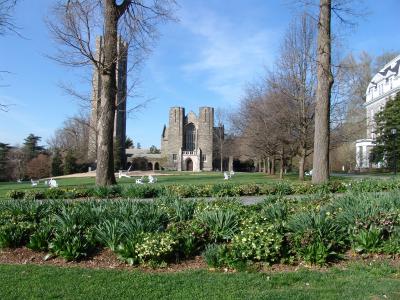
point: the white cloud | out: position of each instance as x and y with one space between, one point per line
227 53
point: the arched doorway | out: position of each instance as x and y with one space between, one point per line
149 166
156 166
189 165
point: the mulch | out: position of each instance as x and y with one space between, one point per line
106 259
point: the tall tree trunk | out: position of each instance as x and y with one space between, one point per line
302 162
322 108
282 164
268 165
221 157
105 156
264 165
273 165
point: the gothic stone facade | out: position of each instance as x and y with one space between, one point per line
188 141
120 100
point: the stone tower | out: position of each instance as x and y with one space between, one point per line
187 142
206 136
120 101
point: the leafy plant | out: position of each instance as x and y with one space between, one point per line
259 242
367 240
222 223
215 255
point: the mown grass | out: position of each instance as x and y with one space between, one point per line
377 281
174 178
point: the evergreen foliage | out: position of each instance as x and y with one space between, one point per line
386 144
129 143
56 164
31 148
4 148
154 150
70 165
117 156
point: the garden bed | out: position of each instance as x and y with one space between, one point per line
226 233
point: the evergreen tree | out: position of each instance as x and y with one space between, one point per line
31 147
70 165
56 164
386 145
117 157
154 150
129 143
4 148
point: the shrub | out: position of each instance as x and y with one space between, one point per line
146 247
222 223
15 234
314 237
109 233
15 194
191 236
215 255
55 193
34 195
260 242
142 191
107 191
73 234
39 239
182 210
367 241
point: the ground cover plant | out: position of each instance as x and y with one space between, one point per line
314 230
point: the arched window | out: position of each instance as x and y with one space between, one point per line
190 137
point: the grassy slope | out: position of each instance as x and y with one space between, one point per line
177 178
40 282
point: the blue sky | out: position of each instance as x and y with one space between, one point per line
205 59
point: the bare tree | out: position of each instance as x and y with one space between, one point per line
75 27
295 78
73 136
7 24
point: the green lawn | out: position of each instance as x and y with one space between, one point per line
173 178
378 281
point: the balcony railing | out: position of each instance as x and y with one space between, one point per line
194 152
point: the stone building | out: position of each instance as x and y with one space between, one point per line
120 101
384 85
188 143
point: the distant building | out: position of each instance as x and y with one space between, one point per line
384 85
187 144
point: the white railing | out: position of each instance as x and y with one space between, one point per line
189 152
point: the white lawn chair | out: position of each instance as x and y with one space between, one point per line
231 173
140 180
34 183
309 173
226 176
124 174
152 179
19 181
53 183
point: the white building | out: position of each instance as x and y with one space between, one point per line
384 85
